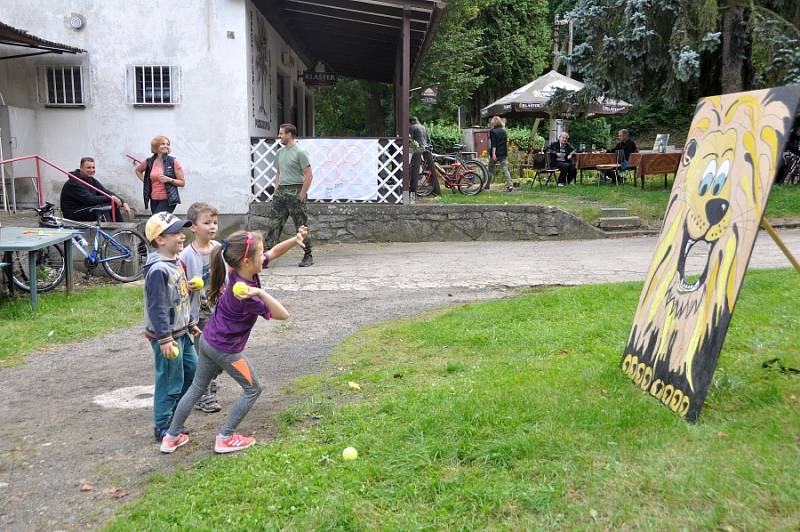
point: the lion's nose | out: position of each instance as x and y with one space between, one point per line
715 210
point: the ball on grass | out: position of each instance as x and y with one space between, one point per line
240 289
350 453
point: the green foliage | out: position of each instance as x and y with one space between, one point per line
651 114
454 61
521 137
505 415
444 137
595 132
516 36
634 49
353 108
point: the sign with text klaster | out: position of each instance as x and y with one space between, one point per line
311 77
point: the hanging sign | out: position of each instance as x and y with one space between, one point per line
318 79
429 95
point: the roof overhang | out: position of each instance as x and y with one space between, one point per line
354 38
11 36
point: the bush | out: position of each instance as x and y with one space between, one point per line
521 138
443 137
596 131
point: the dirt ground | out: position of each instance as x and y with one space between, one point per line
67 463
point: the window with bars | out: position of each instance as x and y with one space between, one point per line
63 86
154 85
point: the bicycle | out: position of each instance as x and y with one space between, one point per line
123 253
456 178
471 165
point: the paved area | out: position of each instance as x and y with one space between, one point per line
55 439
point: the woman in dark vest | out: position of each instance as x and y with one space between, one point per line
162 175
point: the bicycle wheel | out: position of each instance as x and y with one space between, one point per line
474 165
425 185
470 184
124 255
50 268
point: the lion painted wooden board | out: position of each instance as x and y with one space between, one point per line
717 201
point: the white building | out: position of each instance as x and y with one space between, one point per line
210 74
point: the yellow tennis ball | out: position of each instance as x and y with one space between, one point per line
173 352
240 289
197 282
350 453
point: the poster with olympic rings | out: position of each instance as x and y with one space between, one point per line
343 169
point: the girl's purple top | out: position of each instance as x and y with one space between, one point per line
233 319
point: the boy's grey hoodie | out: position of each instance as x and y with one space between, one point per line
166 298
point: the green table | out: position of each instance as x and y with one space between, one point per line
31 239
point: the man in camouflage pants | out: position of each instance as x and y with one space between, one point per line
291 189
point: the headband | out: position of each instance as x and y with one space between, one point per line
247 246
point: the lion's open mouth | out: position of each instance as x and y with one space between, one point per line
693 262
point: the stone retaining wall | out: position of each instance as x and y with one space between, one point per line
348 222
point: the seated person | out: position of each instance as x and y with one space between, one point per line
627 146
562 155
789 164
78 199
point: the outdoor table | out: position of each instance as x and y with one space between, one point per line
589 161
652 162
31 239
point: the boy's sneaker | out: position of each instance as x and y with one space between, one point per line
208 404
158 434
233 443
169 444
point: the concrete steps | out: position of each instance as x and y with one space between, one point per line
616 222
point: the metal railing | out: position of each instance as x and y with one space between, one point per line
39 159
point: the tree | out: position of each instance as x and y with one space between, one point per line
683 49
454 61
353 108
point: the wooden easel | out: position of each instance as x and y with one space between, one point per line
776 237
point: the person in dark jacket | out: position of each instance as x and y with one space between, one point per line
423 152
562 156
789 163
498 152
627 146
77 198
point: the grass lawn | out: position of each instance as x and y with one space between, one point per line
60 319
586 200
514 414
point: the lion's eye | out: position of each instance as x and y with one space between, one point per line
722 176
708 176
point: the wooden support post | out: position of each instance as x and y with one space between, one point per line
405 87
776 237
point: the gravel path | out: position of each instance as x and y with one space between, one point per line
54 437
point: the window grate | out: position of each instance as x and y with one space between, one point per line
62 86
154 85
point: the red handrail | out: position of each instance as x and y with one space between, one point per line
39 159
133 159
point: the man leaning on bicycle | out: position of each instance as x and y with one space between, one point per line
78 200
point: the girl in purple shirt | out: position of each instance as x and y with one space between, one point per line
221 346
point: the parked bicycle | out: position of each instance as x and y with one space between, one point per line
456 177
472 165
122 253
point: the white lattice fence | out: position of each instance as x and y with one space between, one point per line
388 169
